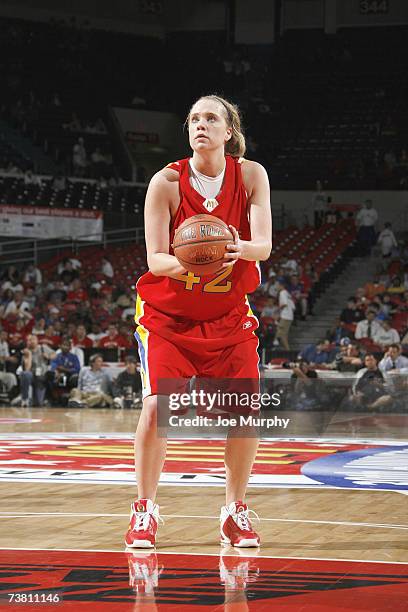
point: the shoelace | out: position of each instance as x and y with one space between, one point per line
242 519
143 519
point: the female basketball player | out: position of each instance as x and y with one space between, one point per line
187 325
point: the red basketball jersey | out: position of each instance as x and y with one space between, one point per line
207 297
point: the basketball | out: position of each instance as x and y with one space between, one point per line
199 244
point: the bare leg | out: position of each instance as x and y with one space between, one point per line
239 458
150 450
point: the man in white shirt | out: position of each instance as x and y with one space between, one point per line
367 328
106 268
393 360
18 307
366 219
287 309
8 379
387 241
386 335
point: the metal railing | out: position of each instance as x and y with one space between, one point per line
15 252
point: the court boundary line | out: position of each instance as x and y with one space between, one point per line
201 516
254 485
157 551
116 435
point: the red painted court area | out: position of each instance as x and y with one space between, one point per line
194 456
120 581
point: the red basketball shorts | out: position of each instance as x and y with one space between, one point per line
161 360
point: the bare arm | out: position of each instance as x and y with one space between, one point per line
162 192
259 198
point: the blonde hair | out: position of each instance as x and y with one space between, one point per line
235 146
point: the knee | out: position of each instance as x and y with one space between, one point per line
149 412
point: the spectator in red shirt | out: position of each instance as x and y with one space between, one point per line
76 292
50 338
127 334
17 337
80 338
112 339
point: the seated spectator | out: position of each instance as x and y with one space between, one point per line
374 288
270 310
106 268
18 332
112 339
305 392
349 359
49 338
126 299
64 368
386 307
386 335
76 292
317 354
75 263
351 314
31 297
32 276
368 327
271 287
81 339
11 278
396 286
369 385
393 359
8 379
31 179
289 266
34 365
39 326
7 296
94 386
127 385
299 295
68 273
339 331
18 307
127 334
96 333
56 291
59 183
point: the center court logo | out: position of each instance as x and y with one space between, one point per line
373 468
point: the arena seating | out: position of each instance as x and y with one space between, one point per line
338 109
124 198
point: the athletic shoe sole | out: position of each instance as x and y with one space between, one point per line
244 543
140 544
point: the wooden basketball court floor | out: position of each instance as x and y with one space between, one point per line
333 519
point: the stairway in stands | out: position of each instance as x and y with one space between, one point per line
358 272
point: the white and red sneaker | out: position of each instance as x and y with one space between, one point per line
235 526
144 519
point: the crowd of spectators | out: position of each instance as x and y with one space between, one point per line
369 340
51 327
285 295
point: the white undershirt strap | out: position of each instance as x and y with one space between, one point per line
207 186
